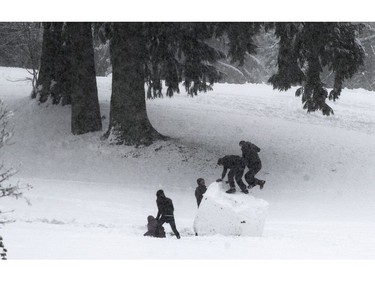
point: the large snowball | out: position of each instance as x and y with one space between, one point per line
235 214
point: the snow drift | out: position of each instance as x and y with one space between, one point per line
235 214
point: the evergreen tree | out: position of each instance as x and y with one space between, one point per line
67 73
128 116
365 77
84 93
3 253
51 64
306 49
174 52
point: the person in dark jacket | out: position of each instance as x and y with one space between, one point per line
152 228
200 190
250 153
236 165
165 212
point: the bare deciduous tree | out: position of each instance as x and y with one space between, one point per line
21 46
7 190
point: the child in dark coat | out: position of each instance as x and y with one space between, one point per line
153 229
236 166
165 212
200 190
250 154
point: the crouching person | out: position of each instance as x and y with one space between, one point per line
165 212
236 166
153 229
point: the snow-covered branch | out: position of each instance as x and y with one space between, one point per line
364 39
9 190
3 251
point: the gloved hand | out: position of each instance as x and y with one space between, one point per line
219 180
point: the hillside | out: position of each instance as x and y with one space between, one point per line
91 199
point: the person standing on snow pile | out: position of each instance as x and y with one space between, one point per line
153 228
200 190
165 212
236 165
250 153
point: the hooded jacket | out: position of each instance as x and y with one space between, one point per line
232 162
153 229
165 206
199 191
250 153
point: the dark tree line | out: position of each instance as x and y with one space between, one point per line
149 53
67 73
306 49
173 52
20 46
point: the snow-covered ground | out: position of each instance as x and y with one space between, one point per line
91 199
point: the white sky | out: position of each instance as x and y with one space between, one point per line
192 10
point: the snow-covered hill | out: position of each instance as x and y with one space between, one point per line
91 199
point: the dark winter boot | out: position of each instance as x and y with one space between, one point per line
231 190
245 191
261 184
251 185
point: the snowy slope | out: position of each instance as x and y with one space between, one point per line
91 199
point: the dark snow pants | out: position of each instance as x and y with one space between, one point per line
250 175
172 223
236 174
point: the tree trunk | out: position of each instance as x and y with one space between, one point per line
53 78
315 94
85 103
49 60
129 123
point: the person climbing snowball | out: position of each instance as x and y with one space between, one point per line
236 165
165 211
250 154
200 190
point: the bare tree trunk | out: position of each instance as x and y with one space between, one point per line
129 123
85 103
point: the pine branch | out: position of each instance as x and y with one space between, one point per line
2 222
364 39
6 212
3 254
12 190
7 174
15 191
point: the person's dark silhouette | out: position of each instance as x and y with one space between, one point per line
200 190
153 229
250 154
165 212
236 165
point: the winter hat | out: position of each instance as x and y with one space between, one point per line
160 193
200 180
219 162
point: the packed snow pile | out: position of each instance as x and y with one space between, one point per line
235 214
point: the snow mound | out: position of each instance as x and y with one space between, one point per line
235 214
